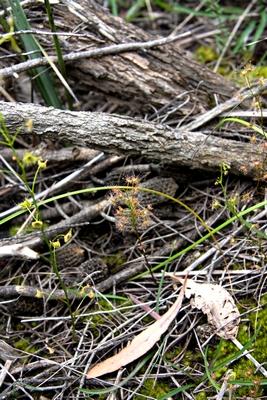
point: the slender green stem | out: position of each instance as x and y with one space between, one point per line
58 49
54 265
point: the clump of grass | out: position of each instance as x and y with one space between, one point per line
41 75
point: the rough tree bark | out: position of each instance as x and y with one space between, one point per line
142 81
147 78
117 134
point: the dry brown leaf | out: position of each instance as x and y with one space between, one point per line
217 303
140 345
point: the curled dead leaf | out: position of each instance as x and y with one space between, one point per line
217 303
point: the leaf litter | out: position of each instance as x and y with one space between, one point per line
217 303
141 344
213 300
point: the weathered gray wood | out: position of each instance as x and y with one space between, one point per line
140 81
152 77
125 135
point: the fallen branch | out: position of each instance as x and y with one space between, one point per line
70 154
18 250
95 53
36 239
231 104
118 134
135 70
7 292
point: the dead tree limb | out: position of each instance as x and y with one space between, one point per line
240 97
128 136
143 80
10 291
149 77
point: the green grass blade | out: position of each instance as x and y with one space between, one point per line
180 389
42 78
241 41
225 12
204 238
114 7
208 371
134 10
260 28
231 10
58 50
247 124
240 382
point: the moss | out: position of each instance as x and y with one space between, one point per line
201 396
259 327
237 267
254 330
114 261
172 354
255 73
18 280
224 70
263 300
206 54
153 389
191 357
258 72
14 229
102 305
98 319
24 345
